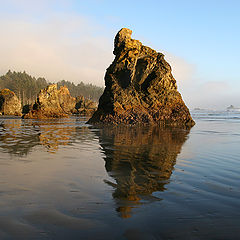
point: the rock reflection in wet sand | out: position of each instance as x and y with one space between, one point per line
140 160
19 136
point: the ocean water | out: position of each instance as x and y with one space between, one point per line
63 179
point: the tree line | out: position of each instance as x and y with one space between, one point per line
27 87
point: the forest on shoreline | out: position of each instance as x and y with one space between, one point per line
27 87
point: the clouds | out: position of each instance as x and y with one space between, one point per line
213 95
60 46
56 40
182 70
201 92
55 49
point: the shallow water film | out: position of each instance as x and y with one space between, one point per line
63 179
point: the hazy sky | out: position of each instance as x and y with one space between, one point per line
73 40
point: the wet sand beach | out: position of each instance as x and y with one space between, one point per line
64 179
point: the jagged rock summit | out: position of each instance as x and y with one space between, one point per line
139 87
9 103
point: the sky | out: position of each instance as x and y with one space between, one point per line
73 40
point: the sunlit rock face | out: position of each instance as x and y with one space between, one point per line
9 103
140 160
52 103
66 101
140 88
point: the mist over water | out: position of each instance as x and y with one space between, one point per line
63 179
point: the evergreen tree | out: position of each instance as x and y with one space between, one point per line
27 87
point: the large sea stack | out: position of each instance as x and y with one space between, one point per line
140 88
9 103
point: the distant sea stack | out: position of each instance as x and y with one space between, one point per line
52 103
9 103
140 88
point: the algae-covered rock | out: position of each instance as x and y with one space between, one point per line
52 103
139 87
9 103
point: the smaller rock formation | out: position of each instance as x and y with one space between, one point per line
9 103
52 103
85 106
232 108
140 88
